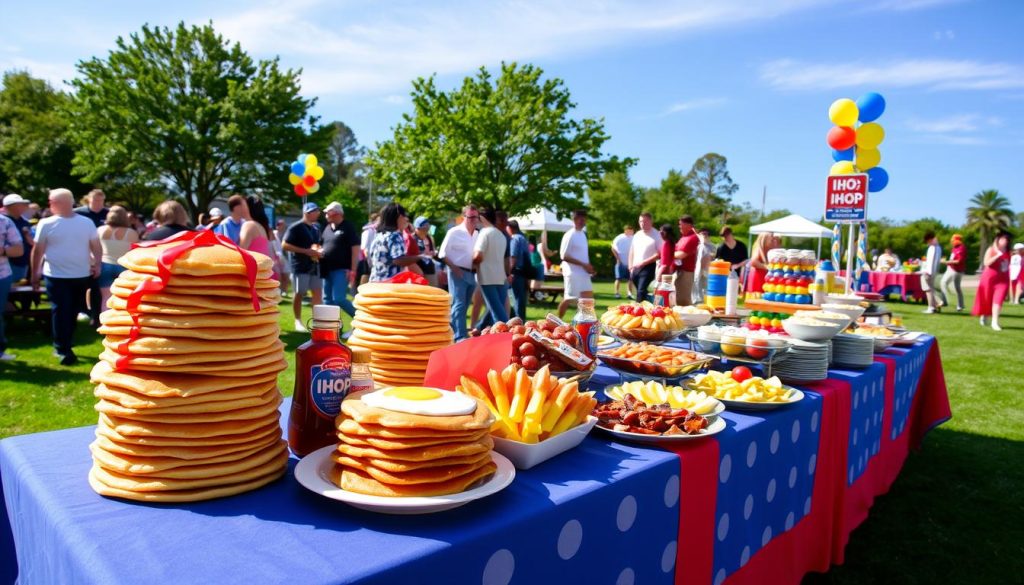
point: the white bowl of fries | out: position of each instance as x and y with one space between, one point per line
536 416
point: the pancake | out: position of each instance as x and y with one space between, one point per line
186 431
418 320
142 465
182 296
406 443
185 495
357 340
348 426
278 463
199 261
159 346
353 407
408 339
267 365
201 470
436 474
118 409
197 450
211 284
205 305
442 451
406 328
156 385
358 481
220 361
404 466
203 417
388 356
402 290
213 333
184 321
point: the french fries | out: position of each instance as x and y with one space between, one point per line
722 386
528 408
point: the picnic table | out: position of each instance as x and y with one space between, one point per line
772 497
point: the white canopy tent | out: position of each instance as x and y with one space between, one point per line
542 220
794 226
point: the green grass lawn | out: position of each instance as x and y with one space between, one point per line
956 514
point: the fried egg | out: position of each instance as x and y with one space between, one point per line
421 400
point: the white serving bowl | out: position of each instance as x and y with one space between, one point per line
810 332
842 323
692 320
844 299
852 311
526 455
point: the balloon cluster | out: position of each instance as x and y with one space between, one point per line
855 147
305 175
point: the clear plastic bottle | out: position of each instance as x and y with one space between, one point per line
732 291
362 377
585 324
665 292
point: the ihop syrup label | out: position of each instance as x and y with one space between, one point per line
329 384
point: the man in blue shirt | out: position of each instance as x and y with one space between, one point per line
231 228
521 268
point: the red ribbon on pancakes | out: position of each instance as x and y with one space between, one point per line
188 241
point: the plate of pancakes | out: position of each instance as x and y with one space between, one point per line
408 450
317 473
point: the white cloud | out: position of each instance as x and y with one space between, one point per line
958 129
934 74
694 104
55 73
394 99
909 5
358 46
944 35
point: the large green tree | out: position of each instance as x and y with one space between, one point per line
988 213
187 108
509 142
712 185
35 155
613 204
670 200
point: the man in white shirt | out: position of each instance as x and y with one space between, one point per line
620 249
929 270
643 256
576 268
366 237
457 254
705 254
70 246
491 268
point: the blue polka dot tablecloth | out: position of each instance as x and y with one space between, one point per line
605 512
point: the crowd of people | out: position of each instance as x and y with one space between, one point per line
485 260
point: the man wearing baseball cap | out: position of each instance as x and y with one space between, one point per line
14 208
303 240
340 242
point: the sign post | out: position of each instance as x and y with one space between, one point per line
846 201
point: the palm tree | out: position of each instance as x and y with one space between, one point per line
989 212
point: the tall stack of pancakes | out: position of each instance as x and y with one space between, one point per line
395 454
401 324
189 407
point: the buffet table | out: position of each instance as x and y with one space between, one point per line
905 284
777 493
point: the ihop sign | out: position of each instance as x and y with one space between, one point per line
846 198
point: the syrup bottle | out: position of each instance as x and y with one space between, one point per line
323 377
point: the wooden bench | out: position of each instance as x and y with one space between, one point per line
543 291
26 303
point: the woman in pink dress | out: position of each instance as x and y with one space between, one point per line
758 267
995 281
256 234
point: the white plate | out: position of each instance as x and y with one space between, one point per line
717 410
526 455
744 405
313 472
715 425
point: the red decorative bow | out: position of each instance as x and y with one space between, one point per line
408 278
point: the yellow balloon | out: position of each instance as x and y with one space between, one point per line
870 135
317 172
314 188
843 167
294 179
868 158
310 162
843 112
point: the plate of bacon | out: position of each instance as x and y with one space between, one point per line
632 419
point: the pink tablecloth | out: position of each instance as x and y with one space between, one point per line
907 283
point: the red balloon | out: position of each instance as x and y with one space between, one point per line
842 137
309 180
300 190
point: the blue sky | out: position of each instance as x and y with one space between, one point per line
751 80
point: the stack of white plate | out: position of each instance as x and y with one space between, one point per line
854 351
806 361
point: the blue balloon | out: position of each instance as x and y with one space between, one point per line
871 106
298 168
838 155
877 179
